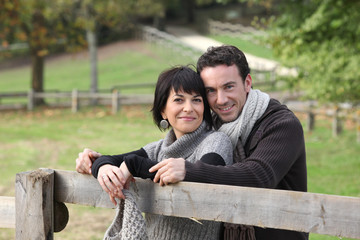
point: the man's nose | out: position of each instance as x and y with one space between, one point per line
221 98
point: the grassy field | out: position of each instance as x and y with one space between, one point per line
52 138
258 50
118 63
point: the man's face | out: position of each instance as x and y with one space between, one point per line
226 91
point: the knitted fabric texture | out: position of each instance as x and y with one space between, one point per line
254 108
191 146
128 223
238 131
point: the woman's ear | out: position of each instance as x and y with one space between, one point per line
163 115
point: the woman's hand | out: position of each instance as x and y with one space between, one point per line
85 160
113 180
171 170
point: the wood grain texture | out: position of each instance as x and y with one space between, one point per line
7 212
307 212
34 205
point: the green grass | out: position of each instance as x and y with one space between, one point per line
127 67
335 171
258 49
52 138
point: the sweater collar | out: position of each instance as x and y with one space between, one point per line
186 144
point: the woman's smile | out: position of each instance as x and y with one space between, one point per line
184 111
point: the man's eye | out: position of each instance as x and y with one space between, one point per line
229 87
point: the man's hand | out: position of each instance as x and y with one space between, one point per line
171 170
85 160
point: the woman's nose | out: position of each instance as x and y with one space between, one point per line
188 107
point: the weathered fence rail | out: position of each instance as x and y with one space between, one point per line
234 30
261 68
170 42
112 97
39 192
76 98
7 212
338 113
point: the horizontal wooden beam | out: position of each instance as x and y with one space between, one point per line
268 208
7 212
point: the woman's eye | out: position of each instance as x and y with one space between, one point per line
177 100
197 100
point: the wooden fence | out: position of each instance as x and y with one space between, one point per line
337 113
75 98
169 42
266 73
234 30
40 210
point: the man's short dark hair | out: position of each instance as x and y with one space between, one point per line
224 55
179 78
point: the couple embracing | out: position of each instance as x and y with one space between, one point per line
247 140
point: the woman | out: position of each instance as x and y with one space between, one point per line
180 103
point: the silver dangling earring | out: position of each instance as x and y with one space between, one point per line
164 124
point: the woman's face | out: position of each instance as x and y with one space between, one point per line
185 112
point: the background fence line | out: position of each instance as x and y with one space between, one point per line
234 30
298 211
165 40
76 99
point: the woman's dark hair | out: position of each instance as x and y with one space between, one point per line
227 55
179 78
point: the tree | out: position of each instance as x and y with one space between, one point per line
46 23
320 38
90 14
35 22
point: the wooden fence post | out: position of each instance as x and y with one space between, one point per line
336 124
115 101
34 204
74 101
310 119
30 105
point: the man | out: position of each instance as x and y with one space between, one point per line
268 140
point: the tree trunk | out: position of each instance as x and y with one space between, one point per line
37 47
91 38
190 11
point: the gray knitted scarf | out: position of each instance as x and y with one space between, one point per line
182 147
255 106
128 223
